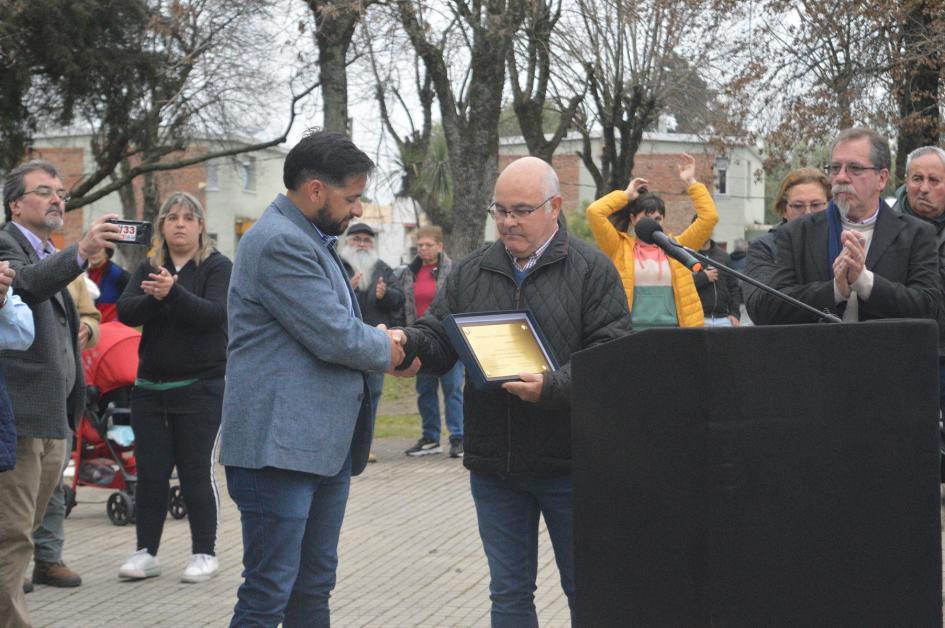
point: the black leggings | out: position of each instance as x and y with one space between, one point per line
177 428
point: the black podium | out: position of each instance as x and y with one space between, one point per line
765 476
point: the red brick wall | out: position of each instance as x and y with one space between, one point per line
662 173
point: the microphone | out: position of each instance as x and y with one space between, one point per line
650 232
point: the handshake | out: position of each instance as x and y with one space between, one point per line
398 340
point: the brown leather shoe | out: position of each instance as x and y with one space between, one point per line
55 575
371 457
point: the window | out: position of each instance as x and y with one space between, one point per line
248 173
721 175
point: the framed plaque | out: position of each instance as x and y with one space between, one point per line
496 346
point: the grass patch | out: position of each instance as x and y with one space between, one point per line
396 388
397 426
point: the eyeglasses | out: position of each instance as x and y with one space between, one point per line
519 212
44 191
814 206
854 170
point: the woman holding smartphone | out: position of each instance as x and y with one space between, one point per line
178 298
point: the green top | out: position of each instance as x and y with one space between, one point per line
653 306
149 385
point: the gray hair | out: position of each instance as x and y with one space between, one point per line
921 152
14 184
879 145
551 183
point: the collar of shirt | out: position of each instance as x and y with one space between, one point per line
329 240
533 258
38 245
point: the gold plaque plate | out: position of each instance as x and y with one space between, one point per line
504 346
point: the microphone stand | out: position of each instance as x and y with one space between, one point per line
825 317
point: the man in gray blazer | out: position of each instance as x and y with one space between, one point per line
45 382
296 410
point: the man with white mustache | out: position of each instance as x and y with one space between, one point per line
45 382
859 259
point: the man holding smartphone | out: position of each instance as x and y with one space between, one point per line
45 382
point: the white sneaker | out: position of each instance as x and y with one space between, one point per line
140 565
202 567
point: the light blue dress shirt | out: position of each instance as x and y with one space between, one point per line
16 324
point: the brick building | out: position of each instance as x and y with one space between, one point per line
234 190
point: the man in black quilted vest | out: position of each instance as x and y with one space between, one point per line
518 437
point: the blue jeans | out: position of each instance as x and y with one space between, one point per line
507 509
428 403
291 523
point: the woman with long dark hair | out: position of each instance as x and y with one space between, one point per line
178 297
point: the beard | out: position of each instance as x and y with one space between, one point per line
325 222
362 261
842 204
53 221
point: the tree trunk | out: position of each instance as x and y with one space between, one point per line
919 79
335 21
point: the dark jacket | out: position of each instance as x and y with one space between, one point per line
902 206
902 256
577 298
720 298
45 383
385 311
184 335
760 264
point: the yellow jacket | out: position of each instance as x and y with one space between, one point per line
618 246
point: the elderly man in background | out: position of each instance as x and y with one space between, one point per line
379 294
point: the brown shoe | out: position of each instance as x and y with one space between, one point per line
371 457
55 575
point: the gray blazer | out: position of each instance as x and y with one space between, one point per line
45 382
295 396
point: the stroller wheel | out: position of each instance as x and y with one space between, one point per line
120 508
69 498
175 503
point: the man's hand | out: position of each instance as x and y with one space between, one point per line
410 371
840 276
356 281
7 275
381 289
854 251
101 235
529 389
711 273
687 169
734 320
85 333
160 284
398 340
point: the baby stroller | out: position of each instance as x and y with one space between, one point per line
103 455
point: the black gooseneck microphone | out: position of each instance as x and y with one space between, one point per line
651 232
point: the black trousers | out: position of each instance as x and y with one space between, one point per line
177 428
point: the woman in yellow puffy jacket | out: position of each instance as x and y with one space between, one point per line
660 291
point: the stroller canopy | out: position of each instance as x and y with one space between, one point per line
113 362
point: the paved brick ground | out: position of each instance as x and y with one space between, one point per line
410 556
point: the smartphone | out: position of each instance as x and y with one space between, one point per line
133 231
